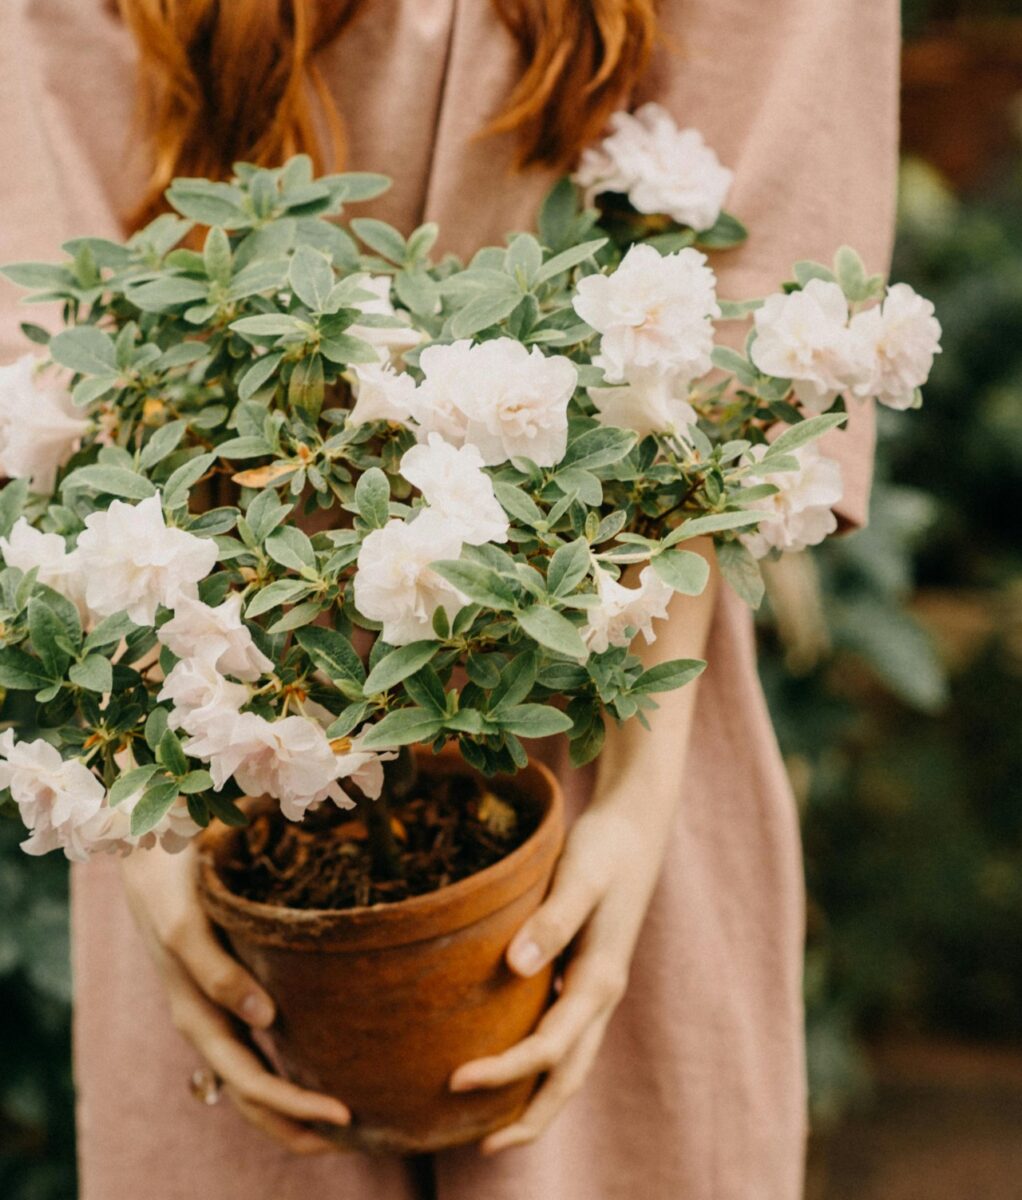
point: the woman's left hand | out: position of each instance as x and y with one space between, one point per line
598 901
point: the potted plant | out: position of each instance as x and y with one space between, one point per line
306 532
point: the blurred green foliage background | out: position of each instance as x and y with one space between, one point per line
892 660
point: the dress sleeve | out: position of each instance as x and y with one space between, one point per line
800 99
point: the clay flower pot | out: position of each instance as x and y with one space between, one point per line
379 1005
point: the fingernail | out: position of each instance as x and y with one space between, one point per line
526 958
462 1081
257 1010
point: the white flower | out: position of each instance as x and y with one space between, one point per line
28 547
800 513
661 168
381 394
388 340
899 341
132 562
654 312
58 799
291 760
111 828
498 397
199 694
625 612
217 636
805 337
39 427
394 582
454 484
647 403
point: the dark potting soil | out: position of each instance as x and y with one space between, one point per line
446 830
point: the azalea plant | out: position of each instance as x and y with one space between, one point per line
287 495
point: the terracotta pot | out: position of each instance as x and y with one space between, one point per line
379 1005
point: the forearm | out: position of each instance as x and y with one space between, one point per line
642 766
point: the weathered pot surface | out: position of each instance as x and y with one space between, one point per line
378 1005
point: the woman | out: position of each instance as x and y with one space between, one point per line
691 1078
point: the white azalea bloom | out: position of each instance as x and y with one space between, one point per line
805 337
58 799
649 402
133 563
28 548
448 391
661 168
624 612
289 759
39 427
217 636
173 833
654 312
199 694
801 513
454 484
520 406
387 340
381 394
395 583
899 341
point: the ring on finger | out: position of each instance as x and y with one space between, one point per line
205 1086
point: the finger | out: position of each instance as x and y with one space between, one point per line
211 1033
591 988
292 1135
558 1088
218 974
552 926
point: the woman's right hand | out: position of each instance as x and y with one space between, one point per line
210 992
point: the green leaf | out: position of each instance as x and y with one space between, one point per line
51 640
568 567
195 782
245 447
175 490
19 671
372 497
258 374
332 653
350 718
85 350
12 503
735 364
398 665
157 800
216 255
533 720
270 325
667 676
481 584
554 631
130 782
283 591
683 570
207 202
713 523
516 681
169 753
311 276
155 727
381 237
38 275
290 547
306 386
805 431
426 689
805 271
518 504
851 274
94 673
342 348
484 311
727 232
402 728
567 259
557 214
599 447
741 570
111 481
168 292
587 744
162 443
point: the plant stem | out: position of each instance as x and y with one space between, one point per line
398 781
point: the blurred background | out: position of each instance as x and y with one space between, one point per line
892 660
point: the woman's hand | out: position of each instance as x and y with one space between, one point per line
210 993
600 894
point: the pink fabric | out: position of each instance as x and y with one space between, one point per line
699 1091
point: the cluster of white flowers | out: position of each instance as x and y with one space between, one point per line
811 338
655 318
659 167
800 513
39 428
623 612
65 807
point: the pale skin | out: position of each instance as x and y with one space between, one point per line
595 910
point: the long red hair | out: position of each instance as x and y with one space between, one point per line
224 81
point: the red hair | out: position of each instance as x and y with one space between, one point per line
230 80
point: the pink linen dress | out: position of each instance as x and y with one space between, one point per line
699 1090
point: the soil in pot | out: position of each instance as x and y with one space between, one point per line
447 829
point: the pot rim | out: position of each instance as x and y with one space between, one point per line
394 921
